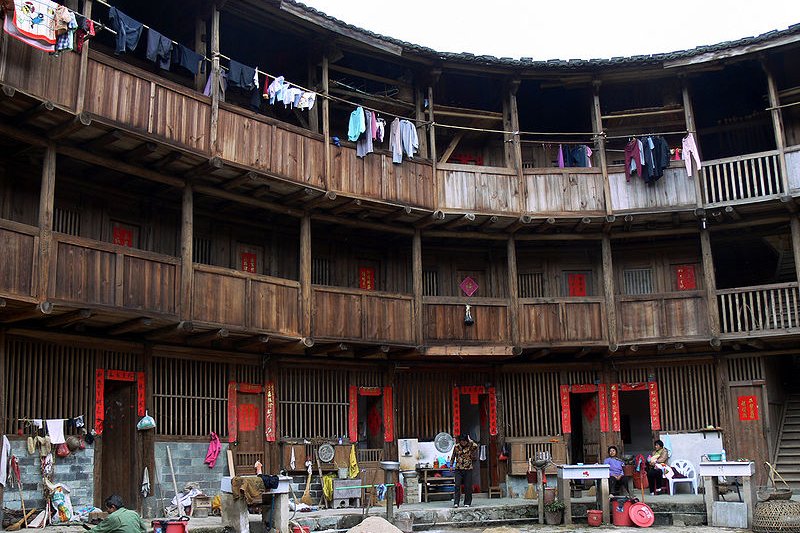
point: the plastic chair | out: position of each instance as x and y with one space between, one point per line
686 469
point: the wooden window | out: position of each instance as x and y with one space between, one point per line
321 271
124 234
637 281
312 402
577 283
531 285
67 221
430 283
201 250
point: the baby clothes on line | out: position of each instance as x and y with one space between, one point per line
357 124
689 151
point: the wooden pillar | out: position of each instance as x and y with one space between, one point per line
200 48
313 114
419 115
777 125
305 274
215 76
608 293
84 64
273 463
726 417
416 273
600 144
148 451
513 290
432 130
794 225
326 120
711 284
187 247
46 202
691 127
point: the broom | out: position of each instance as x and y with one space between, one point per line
306 499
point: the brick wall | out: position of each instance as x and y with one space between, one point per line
187 459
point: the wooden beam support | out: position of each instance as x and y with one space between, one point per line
38 311
583 352
31 114
208 337
789 203
326 119
345 207
215 81
187 251
582 224
140 151
710 283
167 160
398 214
430 220
513 289
608 292
80 121
241 179
67 319
732 213
303 194
608 222
492 220
539 354
329 196
469 351
417 286
206 167
452 146
326 347
260 341
247 200
756 343
103 141
181 328
130 325
521 222
545 225
464 220
628 222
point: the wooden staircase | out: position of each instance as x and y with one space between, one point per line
787 460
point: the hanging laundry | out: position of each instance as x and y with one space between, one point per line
408 133
223 84
276 89
292 463
372 125
214 448
145 488
129 31
37 423
85 31
32 23
241 76
186 58
364 144
65 39
5 456
381 128
689 151
357 124
307 100
159 49
632 158
560 156
78 421
55 430
291 96
660 156
396 142
588 156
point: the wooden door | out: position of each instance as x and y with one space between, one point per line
748 427
119 462
250 426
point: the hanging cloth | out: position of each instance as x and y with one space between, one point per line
690 151
129 31
292 463
159 49
560 156
357 124
55 429
5 456
214 447
353 467
145 483
32 22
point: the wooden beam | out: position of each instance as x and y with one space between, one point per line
513 289
68 319
417 286
326 120
2 303
540 354
167 160
47 194
329 196
207 337
545 225
140 151
521 222
31 114
215 81
398 214
368 76
304 193
256 340
83 66
464 220
732 213
345 207
710 283
305 275
187 251
586 350
241 179
38 311
488 222
608 222
101 142
206 167
181 328
608 291
582 224
130 325
469 351
326 347
248 200
81 120
430 220
452 146
789 203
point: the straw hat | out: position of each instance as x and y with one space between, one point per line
73 443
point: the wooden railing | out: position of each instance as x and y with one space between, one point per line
793 167
373 455
480 189
742 179
443 319
674 315
19 254
564 191
759 309
354 314
561 320
240 300
674 190
98 273
37 73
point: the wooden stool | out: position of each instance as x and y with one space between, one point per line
495 490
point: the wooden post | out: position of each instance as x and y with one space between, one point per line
419 115
200 48
416 273
84 64
46 202
794 225
608 293
215 75
691 127
148 452
777 125
313 115
600 145
187 248
513 290
711 284
326 119
305 273
432 130
513 139
723 394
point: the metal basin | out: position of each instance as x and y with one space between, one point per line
390 465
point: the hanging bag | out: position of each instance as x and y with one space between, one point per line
147 422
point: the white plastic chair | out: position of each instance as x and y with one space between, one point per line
686 469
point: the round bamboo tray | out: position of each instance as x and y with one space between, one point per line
777 516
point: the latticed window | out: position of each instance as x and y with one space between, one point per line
320 271
201 250
67 221
430 283
531 285
638 281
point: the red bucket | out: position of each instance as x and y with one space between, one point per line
301 529
594 517
620 508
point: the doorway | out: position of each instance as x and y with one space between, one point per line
634 415
370 422
475 422
585 438
250 432
119 443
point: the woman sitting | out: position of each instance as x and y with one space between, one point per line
657 467
617 479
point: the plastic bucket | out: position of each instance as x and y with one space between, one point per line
620 508
594 517
344 472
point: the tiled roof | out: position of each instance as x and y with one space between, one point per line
527 62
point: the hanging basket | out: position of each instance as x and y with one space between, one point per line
771 492
771 516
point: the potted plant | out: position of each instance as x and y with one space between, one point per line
554 512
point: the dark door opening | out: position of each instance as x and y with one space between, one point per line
585 438
634 411
475 422
370 422
119 460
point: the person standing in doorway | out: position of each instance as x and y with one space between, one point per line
465 453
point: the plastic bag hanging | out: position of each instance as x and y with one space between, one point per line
147 422
468 320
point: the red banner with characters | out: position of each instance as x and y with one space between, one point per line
615 424
388 415
120 375
566 417
602 399
748 408
270 423
99 400
233 432
456 411
141 398
492 411
655 408
352 414
474 392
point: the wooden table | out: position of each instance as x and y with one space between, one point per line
710 472
566 473
429 480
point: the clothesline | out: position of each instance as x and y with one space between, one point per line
648 134
507 132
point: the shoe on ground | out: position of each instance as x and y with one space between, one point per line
455 505
466 505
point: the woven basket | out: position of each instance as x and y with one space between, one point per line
782 516
771 492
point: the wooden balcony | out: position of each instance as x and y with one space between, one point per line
94 273
568 321
763 309
360 315
38 74
443 319
495 190
674 191
18 243
793 166
564 191
743 179
244 301
665 316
